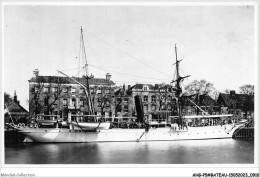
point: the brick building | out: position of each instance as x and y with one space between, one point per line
158 101
241 105
55 95
17 112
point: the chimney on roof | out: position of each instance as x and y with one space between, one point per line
108 76
36 72
124 87
128 87
15 97
232 93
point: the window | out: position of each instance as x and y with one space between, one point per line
125 100
65 102
81 102
107 91
55 89
36 89
46 89
107 103
73 102
99 91
153 107
125 108
174 101
145 98
91 91
65 90
82 90
169 107
46 101
169 98
73 90
163 107
145 88
153 98
145 108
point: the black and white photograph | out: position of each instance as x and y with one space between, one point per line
129 89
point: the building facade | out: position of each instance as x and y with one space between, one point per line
53 95
241 105
15 112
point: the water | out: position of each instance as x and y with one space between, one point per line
216 151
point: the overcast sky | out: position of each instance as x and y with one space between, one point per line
216 43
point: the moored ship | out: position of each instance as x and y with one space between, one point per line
103 130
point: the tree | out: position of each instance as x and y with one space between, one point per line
41 99
247 100
226 91
7 99
199 89
246 89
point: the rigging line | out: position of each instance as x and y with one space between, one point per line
128 54
70 69
93 53
127 74
77 74
139 82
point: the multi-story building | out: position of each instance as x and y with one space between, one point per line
241 105
158 101
55 95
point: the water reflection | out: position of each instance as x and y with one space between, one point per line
216 151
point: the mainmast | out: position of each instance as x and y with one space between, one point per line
84 51
85 86
178 89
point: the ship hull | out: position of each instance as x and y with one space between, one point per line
127 135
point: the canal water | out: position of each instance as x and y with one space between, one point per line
215 151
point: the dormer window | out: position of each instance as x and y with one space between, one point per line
145 88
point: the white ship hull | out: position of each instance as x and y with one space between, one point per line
127 135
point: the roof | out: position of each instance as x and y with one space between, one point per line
67 80
140 86
15 108
151 87
238 99
122 92
204 100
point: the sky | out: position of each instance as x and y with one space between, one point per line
135 44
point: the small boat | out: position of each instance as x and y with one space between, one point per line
91 125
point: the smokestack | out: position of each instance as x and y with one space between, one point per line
36 72
108 76
15 97
232 93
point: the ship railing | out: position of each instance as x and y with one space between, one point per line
119 122
47 117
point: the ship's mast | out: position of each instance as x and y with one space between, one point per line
84 51
178 89
85 86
